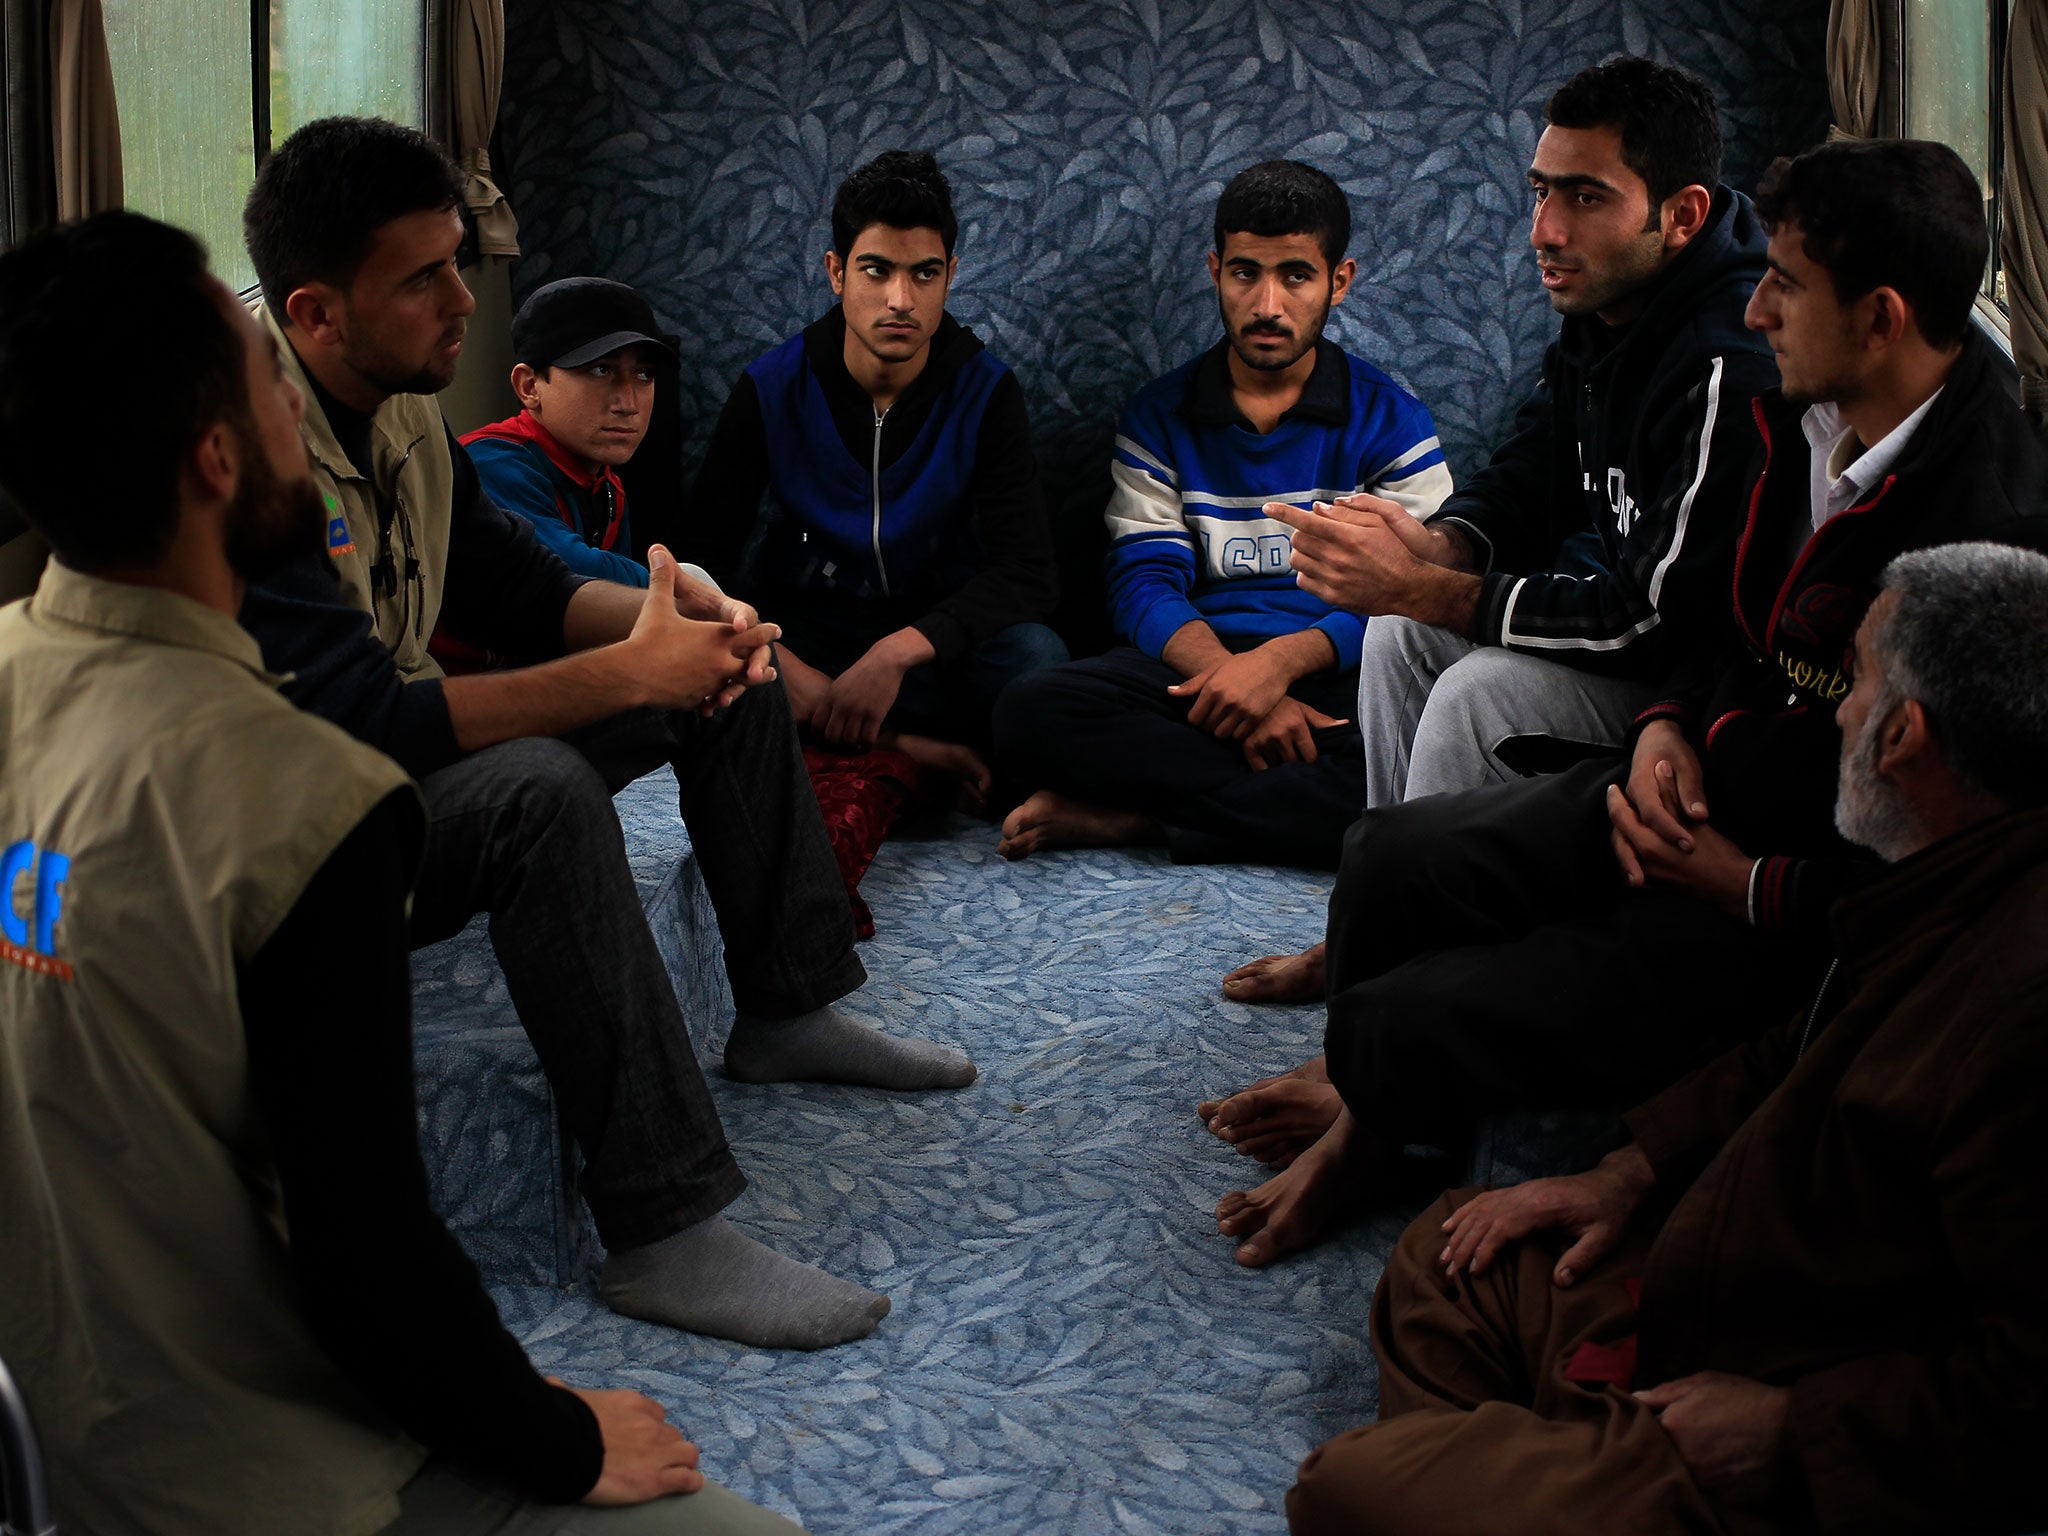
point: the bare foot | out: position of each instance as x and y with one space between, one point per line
1276 1120
1315 1070
1279 979
947 761
1050 820
1293 1210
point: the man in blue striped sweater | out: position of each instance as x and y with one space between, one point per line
1222 726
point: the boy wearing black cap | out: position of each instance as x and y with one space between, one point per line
353 229
587 351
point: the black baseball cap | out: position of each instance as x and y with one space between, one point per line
580 319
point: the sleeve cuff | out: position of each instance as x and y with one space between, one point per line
1346 632
1160 622
947 634
1482 546
1490 622
1771 880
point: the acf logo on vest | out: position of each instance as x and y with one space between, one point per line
31 941
339 540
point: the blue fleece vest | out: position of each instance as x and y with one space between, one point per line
823 536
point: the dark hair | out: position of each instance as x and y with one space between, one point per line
1670 129
1968 638
1904 214
1285 197
902 188
328 189
70 375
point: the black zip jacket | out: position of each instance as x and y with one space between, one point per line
1761 708
1638 434
1014 581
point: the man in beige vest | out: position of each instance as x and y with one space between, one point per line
353 226
229 1302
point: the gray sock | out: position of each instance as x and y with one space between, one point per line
824 1046
714 1279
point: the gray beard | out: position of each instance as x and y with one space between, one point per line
1869 811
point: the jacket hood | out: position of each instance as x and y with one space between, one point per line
1723 261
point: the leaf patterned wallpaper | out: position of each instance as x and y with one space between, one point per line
692 150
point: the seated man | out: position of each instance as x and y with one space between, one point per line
906 559
1542 603
230 1304
585 353
353 228
1809 1295
1222 726
1484 951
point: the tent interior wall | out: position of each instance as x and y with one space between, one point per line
693 149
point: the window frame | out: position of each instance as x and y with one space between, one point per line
1992 306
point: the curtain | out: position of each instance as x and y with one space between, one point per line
2023 199
85 128
476 68
1863 70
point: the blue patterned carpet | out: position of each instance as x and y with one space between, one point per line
1072 1348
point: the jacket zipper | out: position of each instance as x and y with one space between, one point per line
1813 1013
875 482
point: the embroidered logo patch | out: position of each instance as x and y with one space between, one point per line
31 942
339 540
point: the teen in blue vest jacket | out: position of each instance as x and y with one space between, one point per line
906 556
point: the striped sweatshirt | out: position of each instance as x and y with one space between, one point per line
1188 537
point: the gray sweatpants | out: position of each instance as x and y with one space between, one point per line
1434 709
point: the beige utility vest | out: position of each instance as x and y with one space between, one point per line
398 502
161 810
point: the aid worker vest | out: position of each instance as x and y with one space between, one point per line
387 521
162 808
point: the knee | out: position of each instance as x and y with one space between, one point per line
547 781
1476 693
1379 848
1022 648
1028 711
1335 1489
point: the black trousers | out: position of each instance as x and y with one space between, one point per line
1484 953
526 831
1106 731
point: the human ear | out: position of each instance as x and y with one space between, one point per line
1905 738
215 462
835 273
1889 315
1685 215
1216 269
526 386
1340 279
316 309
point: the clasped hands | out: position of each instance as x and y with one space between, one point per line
697 648
1723 1426
1660 832
1244 699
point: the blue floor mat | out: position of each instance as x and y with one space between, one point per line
1071 1348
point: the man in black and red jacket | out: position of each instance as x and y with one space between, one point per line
1482 951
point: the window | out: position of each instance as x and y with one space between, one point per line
196 115
1954 73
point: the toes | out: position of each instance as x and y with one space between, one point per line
1257 1251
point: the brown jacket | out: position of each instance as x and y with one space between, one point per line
1866 1222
